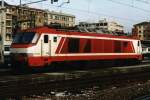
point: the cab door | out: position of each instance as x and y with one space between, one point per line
45 46
139 47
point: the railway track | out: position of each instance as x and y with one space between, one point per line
5 71
145 97
39 83
45 83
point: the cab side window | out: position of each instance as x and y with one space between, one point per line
138 43
46 39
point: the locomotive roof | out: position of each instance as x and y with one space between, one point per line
49 30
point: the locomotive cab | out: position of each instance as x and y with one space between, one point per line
30 48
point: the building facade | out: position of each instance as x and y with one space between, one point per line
24 17
103 25
66 20
14 18
141 31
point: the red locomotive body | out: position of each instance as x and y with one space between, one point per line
43 46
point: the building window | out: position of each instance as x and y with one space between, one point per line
8 23
56 17
105 24
8 37
71 19
67 18
8 10
40 20
13 9
101 24
8 16
6 48
51 16
8 30
97 24
63 18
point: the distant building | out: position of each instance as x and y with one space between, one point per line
25 17
22 17
64 19
141 31
103 25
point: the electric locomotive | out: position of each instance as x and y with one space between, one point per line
42 46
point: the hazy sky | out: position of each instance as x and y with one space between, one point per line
126 12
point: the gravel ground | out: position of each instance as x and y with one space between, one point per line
130 92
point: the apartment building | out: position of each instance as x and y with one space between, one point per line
141 31
24 17
64 19
103 24
15 17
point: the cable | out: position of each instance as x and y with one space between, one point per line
96 13
117 2
145 2
64 3
34 2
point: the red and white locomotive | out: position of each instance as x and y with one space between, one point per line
43 45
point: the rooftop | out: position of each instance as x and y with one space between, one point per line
5 4
60 13
142 23
25 7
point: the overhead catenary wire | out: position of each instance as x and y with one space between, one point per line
91 13
129 20
130 5
145 2
96 13
88 11
105 14
34 2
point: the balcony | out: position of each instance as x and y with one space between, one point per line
8 11
8 29
8 17
8 23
